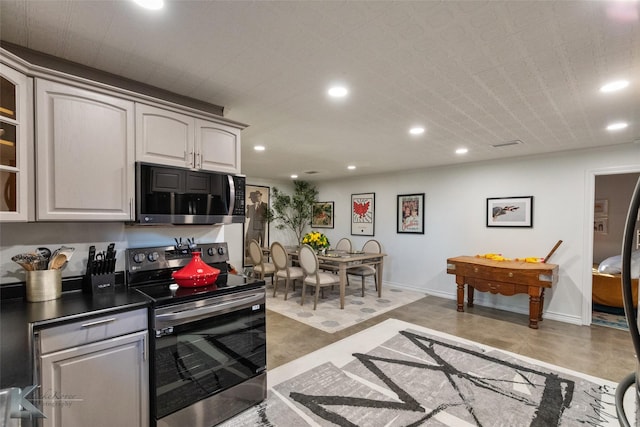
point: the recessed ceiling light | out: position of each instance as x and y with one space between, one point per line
294 176
338 92
614 86
617 126
418 130
351 167
259 148
462 151
150 4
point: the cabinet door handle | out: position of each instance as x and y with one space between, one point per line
99 322
198 161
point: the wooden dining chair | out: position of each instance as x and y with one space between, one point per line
284 271
309 263
365 270
261 268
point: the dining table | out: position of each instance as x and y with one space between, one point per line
342 260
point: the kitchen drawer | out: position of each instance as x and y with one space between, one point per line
92 329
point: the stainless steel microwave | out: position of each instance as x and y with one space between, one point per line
172 195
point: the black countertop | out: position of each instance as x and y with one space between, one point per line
18 319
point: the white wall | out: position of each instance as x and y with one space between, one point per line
18 238
455 222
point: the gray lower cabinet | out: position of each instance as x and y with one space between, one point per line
95 372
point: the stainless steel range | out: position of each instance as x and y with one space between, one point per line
209 342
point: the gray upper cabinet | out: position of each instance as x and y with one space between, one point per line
75 140
174 139
16 145
218 147
84 153
164 137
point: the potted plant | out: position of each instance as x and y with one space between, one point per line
293 212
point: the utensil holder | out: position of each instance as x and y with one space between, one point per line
99 283
43 285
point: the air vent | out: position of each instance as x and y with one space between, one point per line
508 143
311 172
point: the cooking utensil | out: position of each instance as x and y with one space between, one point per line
44 261
60 262
196 273
28 261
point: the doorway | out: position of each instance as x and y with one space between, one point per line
611 195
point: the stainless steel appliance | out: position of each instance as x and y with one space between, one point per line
208 343
630 313
171 195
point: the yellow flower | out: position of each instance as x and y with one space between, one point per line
316 240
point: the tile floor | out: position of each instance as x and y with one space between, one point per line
595 350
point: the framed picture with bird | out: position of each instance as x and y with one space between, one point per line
363 214
510 212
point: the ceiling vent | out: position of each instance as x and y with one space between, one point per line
508 143
311 172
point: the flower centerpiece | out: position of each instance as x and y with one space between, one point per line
316 240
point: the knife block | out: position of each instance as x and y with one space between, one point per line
99 283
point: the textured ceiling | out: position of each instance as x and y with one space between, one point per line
473 73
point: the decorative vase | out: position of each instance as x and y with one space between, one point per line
196 273
322 251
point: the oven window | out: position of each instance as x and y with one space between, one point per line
202 358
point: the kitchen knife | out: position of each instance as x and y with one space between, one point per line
90 259
109 258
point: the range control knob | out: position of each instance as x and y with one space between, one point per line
153 256
139 257
220 250
210 252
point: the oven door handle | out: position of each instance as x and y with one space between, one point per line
221 307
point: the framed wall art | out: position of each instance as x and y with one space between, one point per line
363 214
255 224
410 211
601 225
322 215
510 212
601 208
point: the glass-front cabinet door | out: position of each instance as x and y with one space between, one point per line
15 145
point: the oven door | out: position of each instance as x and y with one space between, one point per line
210 358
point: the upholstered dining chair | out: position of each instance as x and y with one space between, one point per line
309 262
344 244
284 271
364 270
260 267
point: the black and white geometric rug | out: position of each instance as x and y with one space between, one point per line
400 374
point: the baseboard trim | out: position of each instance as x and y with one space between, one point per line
560 317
